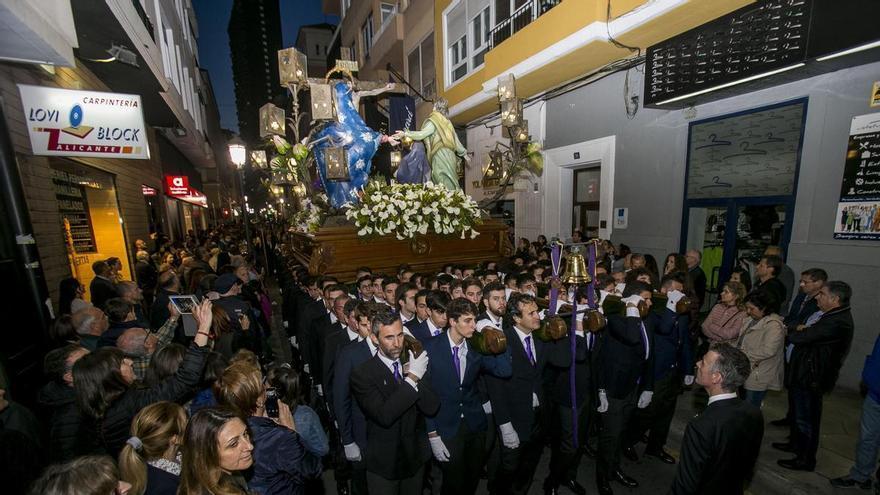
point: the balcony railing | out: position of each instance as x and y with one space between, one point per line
521 17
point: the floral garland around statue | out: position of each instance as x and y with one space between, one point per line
311 213
407 210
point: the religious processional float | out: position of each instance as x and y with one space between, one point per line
345 218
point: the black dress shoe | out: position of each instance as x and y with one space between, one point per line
662 455
847 482
624 480
575 487
783 446
551 490
342 489
796 464
630 453
781 422
603 487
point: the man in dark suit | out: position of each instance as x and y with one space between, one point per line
421 310
395 401
519 404
673 363
698 276
564 457
820 347
320 321
625 381
457 433
405 299
767 271
349 418
437 300
721 444
101 288
336 336
495 302
803 306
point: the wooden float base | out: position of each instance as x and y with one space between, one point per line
337 250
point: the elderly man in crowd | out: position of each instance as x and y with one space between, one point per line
140 344
90 323
820 346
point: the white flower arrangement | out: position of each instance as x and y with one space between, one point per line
407 210
311 214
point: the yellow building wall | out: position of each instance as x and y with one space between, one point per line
554 26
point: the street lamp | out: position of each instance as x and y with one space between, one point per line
238 156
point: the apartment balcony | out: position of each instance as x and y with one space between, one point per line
387 45
521 17
138 68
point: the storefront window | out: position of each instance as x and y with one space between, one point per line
89 218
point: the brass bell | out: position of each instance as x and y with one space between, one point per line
576 269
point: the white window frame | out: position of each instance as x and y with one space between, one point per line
448 67
420 84
485 17
367 35
390 14
461 45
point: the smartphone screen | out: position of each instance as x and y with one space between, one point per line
271 402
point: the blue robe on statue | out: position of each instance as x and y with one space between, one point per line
414 167
361 142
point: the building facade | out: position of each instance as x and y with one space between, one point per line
130 74
618 170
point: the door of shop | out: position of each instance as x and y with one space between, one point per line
742 173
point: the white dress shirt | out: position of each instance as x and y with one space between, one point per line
491 318
462 356
352 335
718 397
433 328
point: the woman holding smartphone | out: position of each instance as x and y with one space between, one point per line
280 461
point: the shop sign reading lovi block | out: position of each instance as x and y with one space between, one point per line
64 122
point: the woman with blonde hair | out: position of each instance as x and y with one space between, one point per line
217 447
150 460
726 318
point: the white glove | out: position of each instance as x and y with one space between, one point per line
619 288
508 436
441 453
487 407
634 299
673 297
542 314
352 452
320 390
418 365
645 399
603 402
581 309
688 380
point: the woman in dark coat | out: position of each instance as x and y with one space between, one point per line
106 398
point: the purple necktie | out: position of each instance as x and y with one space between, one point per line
457 362
645 341
396 371
436 333
589 341
528 342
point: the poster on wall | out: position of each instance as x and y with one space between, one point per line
858 212
65 122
